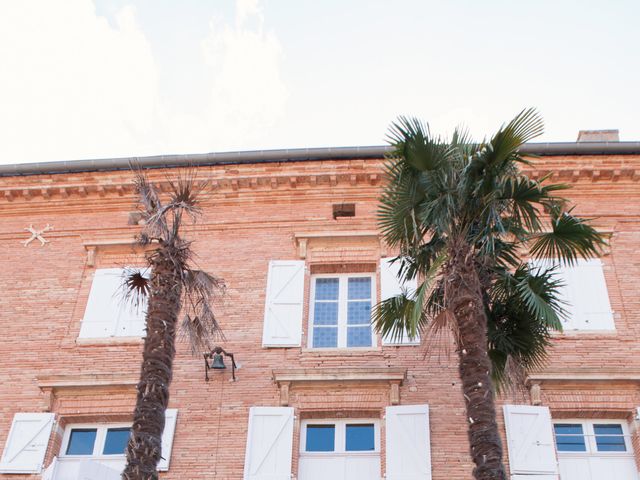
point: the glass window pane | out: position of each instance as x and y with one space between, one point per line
81 441
609 438
360 438
360 288
359 336
326 289
569 437
320 438
325 313
359 313
325 337
116 441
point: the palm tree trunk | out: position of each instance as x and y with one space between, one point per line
144 448
465 301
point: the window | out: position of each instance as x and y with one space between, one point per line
585 294
594 449
591 437
340 311
340 450
95 441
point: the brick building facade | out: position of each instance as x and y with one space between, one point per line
316 393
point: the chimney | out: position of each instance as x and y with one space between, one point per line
599 136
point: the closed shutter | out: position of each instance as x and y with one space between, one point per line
92 470
283 306
530 440
131 319
390 286
584 293
170 417
27 443
269 444
107 314
589 296
408 444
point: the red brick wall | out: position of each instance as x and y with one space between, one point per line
252 215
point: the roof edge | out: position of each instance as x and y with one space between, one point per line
287 155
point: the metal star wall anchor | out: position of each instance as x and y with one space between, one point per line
37 234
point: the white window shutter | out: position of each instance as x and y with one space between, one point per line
530 440
27 443
269 444
283 305
589 295
131 319
408 444
390 286
170 417
101 314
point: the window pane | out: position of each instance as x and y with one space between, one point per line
569 437
325 337
325 313
81 441
360 288
609 438
359 336
116 441
320 438
360 438
326 289
359 313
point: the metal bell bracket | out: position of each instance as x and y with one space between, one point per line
211 354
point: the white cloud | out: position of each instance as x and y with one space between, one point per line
75 86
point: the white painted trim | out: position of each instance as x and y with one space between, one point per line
98 446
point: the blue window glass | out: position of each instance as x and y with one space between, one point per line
360 438
609 438
327 288
116 441
325 337
321 438
325 313
81 441
569 437
359 288
359 313
359 336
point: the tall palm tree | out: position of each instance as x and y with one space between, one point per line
465 219
172 288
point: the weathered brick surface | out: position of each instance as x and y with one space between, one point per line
252 215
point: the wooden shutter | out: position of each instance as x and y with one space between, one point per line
269 444
408 445
170 417
390 286
27 443
101 314
589 296
530 440
107 314
283 306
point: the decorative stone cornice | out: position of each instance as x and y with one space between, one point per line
391 376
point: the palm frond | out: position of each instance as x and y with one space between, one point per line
413 143
570 238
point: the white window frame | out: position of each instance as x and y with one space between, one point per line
98 446
590 438
343 293
341 437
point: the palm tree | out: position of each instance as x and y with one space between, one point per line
172 287
465 219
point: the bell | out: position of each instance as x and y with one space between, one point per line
217 362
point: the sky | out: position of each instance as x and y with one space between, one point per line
83 79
